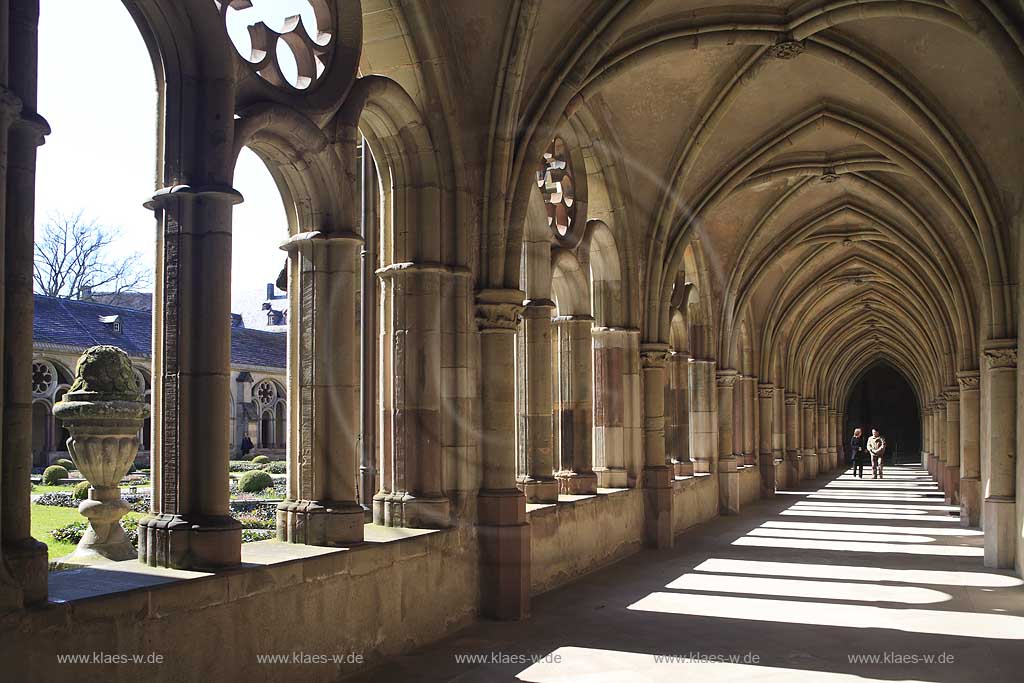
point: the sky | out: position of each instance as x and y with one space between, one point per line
97 91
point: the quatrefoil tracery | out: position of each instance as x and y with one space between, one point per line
311 54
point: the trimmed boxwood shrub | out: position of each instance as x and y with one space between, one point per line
81 491
275 467
255 481
260 459
53 474
58 499
65 463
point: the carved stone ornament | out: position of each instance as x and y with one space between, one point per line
726 379
293 56
103 412
968 380
766 391
498 310
554 178
653 356
786 48
1001 358
792 399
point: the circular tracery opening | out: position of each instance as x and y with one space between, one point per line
287 42
554 178
43 377
265 392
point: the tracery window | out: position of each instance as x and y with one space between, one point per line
554 178
44 378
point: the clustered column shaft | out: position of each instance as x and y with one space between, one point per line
539 482
574 413
657 475
1001 434
766 413
611 403
970 448
703 431
677 429
728 476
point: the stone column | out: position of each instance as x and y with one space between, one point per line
502 526
574 409
970 442
940 443
728 476
191 526
926 432
766 413
701 390
810 468
657 477
750 426
322 508
824 455
538 483
1000 483
951 482
24 556
677 404
610 349
738 422
779 432
792 439
632 423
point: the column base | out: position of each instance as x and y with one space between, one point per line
29 569
683 469
612 477
728 486
701 467
576 483
1000 532
540 490
190 541
792 468
810 465
767 475
970 502
952 484
504 554
940 474
321 523
657 483
427 512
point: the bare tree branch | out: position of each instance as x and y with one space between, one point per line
72 255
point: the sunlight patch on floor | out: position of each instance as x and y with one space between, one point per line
859 573
938 622
588 664
795 588
858 547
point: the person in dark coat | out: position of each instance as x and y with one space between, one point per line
859 449
246 445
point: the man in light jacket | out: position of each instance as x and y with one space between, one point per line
876 447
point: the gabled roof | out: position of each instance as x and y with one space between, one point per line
77 324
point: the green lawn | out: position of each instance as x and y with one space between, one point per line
40 489
47 517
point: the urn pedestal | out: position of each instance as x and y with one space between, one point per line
104 421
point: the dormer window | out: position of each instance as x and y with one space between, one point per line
113 323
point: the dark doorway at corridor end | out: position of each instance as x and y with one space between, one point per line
882 399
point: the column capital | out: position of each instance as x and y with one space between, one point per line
766 391
170 193
702 361
951 394
410 267
315 238
33 124
968 380
538 304
1000 353
792 399
498 310
653 355
726 378
577 318
808 403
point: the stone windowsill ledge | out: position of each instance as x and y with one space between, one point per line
691 480
266 565
566 499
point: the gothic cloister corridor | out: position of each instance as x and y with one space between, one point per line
579 309
839 568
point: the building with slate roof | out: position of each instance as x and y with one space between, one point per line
64 328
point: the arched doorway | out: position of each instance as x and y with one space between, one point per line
882 399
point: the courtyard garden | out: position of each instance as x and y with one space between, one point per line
256 486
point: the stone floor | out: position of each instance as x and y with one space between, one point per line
798 588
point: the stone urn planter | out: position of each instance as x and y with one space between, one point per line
103 411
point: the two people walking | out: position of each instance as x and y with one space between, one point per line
873 447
